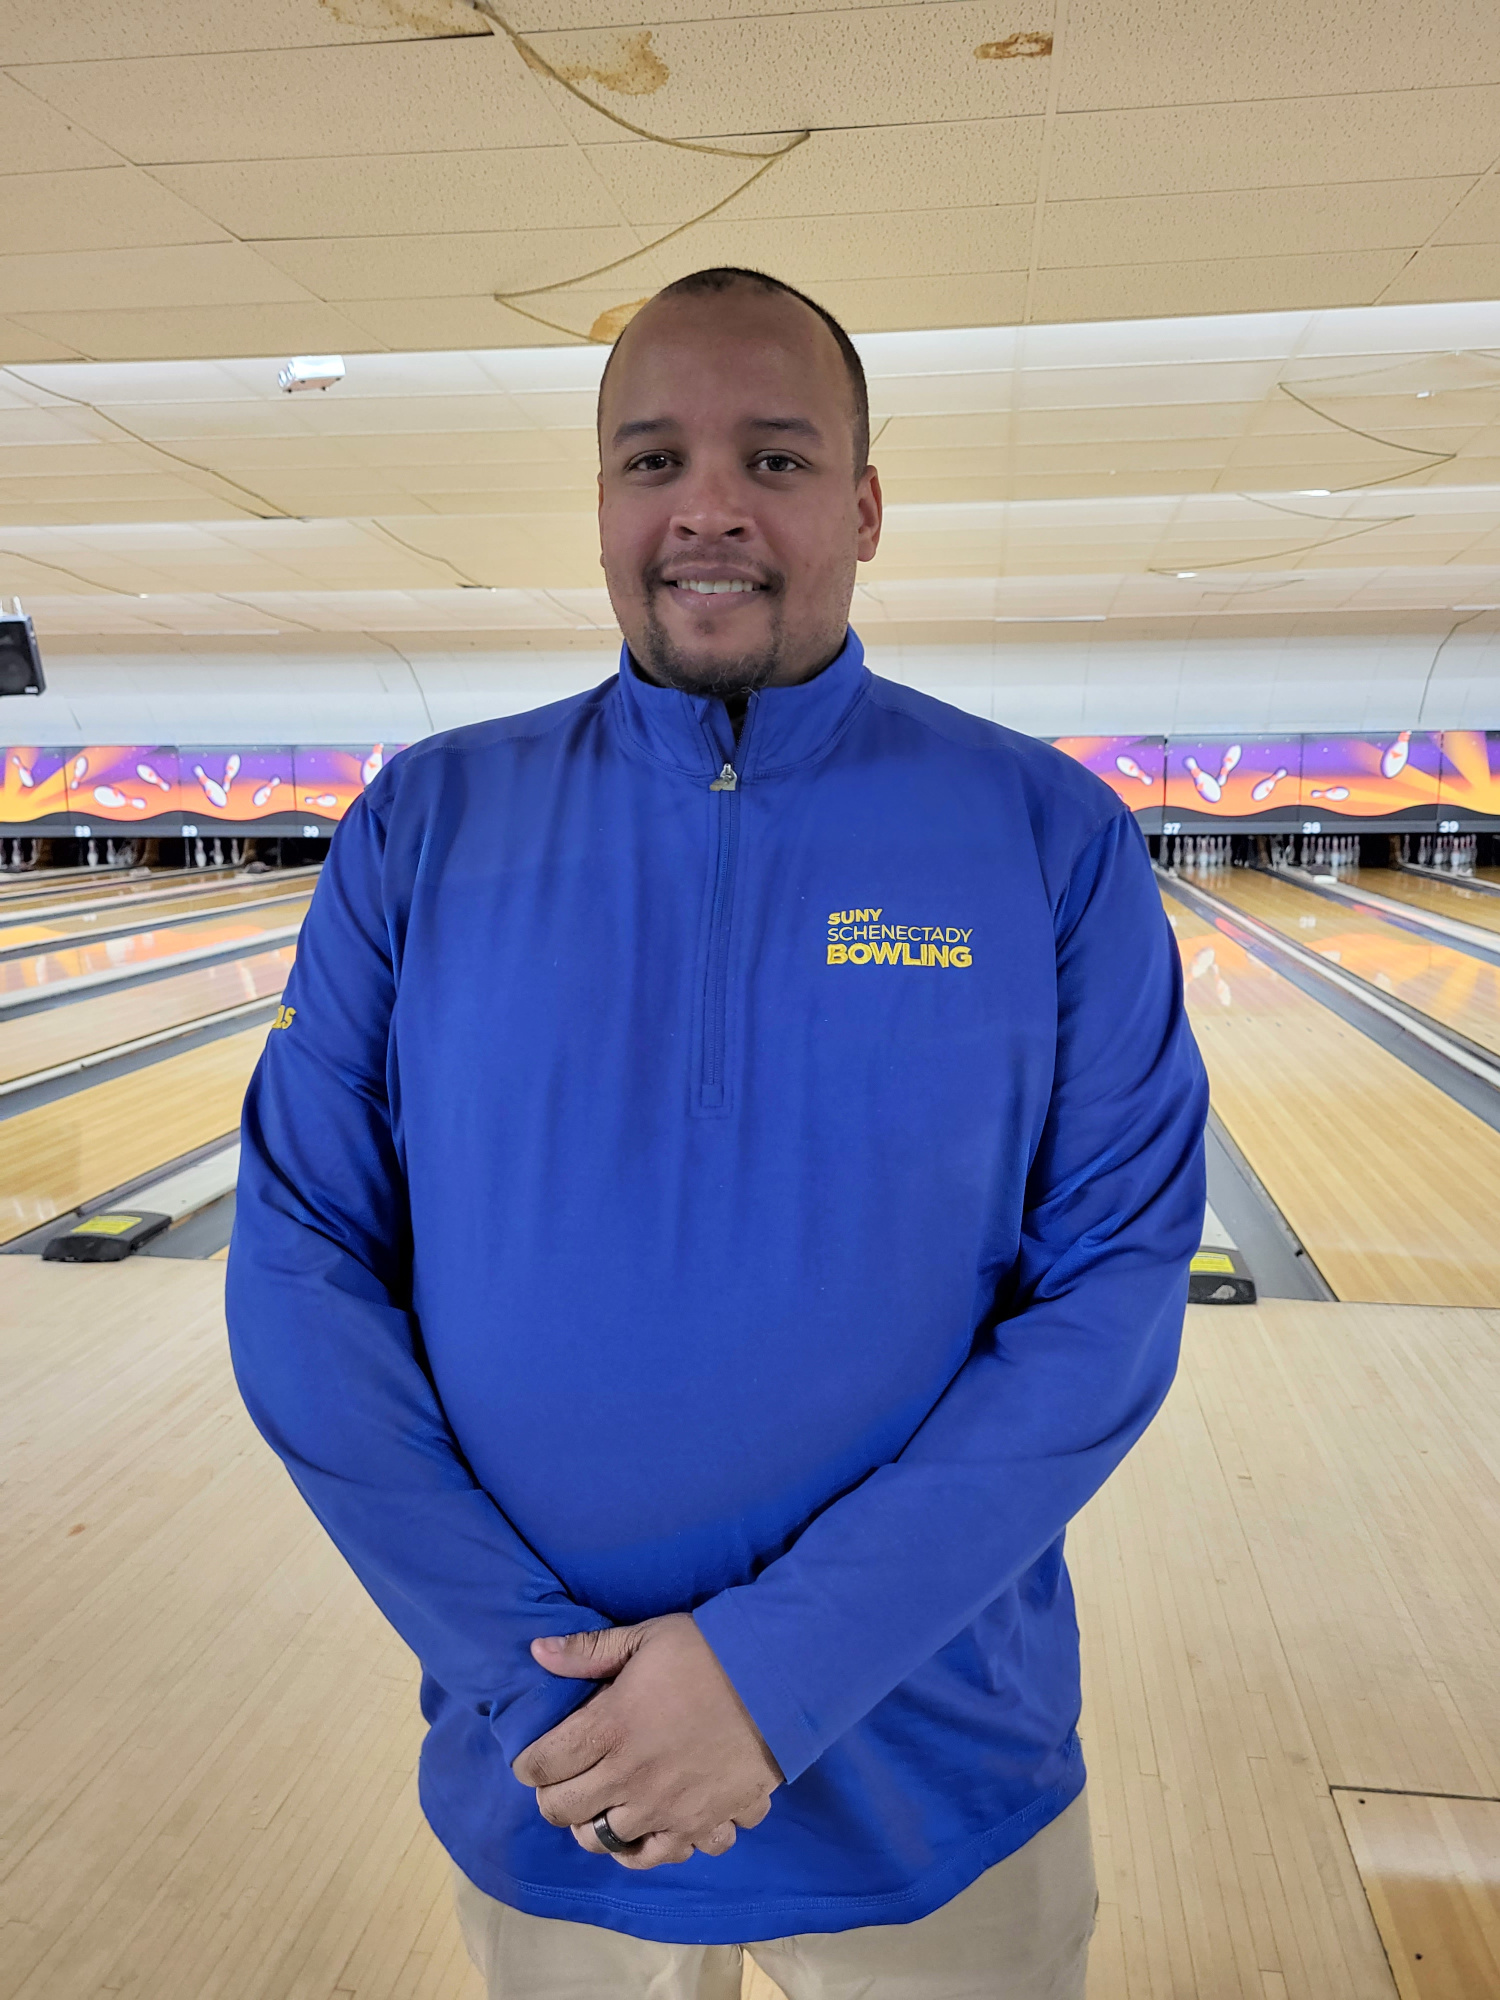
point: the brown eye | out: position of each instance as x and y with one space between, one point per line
777 461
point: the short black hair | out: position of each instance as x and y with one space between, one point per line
723 278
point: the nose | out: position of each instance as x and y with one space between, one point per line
708 508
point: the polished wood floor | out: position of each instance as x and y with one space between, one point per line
1292 1586
1431 1868
106 1020
1388 1181
146 947
1452 987
1443 899
59 1155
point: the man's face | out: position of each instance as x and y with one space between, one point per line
726 445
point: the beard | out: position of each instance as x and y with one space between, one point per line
733 678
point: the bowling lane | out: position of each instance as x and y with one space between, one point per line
164 909
1387 1181
71 1151
1448 985
58 885
105 1020
141 949
1423 892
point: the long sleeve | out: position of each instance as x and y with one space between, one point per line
1062 1378
326 1349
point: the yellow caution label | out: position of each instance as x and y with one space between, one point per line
1212 1260
105 1225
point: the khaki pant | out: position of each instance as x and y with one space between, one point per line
1021 1932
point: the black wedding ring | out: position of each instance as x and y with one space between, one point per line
609 1840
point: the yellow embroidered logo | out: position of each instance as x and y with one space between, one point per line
284 1017
858 937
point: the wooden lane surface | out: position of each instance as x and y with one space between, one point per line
142 912
1446 984
1443 899
212 1735
139 949
1387 1181
1431 1869
103 1020
70 1151
78 884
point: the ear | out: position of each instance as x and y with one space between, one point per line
870 509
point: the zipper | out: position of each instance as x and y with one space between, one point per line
713 1089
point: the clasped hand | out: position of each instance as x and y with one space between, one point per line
667 1749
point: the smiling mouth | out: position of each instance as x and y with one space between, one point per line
699 587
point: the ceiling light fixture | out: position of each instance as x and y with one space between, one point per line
1184 572
311 371
1314 493
1421 393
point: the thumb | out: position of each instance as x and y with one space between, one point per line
587 1656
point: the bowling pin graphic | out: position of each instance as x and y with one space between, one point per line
108 796
213 791
1208 786
231 770
263 792
1393 763
319 799
24 774
151 776
1333 792
370 770
1231 757
1267 785
80 767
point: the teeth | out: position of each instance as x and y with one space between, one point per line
713 589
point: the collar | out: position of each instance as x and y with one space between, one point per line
783 727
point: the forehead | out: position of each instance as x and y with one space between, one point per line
721 355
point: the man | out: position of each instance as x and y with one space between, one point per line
719 1204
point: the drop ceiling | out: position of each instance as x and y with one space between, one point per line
1169 310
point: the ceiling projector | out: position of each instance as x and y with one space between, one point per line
20 661
311 371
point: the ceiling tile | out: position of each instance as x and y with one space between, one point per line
1290 142
1448 271
1213 285
209 274
882 65
39 139
1127 52
965 164
98 208
107 334
417 267
115 28
1264 222
1475 219
398 194
394 97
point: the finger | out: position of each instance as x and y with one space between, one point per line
585 1798
655 1849
753 1815
587 1656
718 1841
576 1745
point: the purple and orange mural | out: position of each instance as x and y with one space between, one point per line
33 785
330 777
242 785
1132 766
1469 786
1242 778
1392 777
119 783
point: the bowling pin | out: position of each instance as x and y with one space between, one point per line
213 791
108 796
152 777
1266 786
1393 763
319 799
263 792
80 766
369 771
1231 757
1208 786
231 769
24 774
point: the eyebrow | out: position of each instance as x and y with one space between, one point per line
781 426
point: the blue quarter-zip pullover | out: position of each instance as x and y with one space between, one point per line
755 1179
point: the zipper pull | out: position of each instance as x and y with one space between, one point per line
726 780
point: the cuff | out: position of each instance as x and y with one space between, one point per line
773 1708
